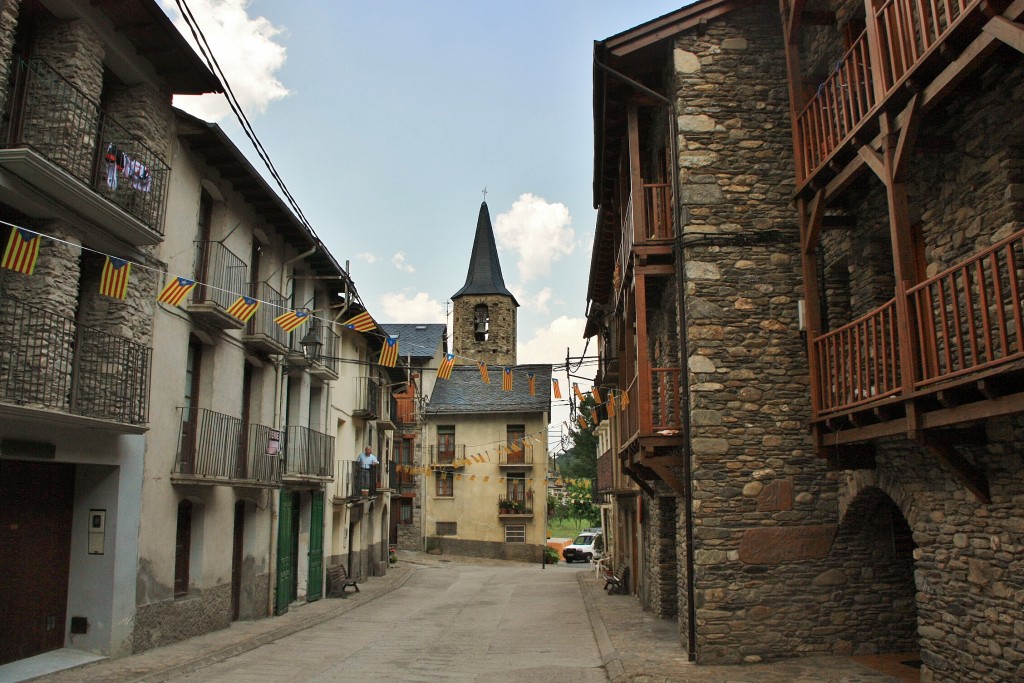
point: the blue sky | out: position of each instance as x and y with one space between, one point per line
388 119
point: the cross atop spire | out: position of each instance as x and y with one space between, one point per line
485 193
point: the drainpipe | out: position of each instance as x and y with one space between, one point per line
691 636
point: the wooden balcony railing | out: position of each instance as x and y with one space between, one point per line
967 319
655 406
859 362
909 32
52 362
656 226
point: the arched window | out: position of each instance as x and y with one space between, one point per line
481 322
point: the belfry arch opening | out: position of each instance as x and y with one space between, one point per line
481 322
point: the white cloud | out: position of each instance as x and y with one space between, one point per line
399 260
245 49
540 233
400 307
549 343
366 256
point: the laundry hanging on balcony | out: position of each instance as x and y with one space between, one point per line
118 163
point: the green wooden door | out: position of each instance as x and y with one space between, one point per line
314 590
285 571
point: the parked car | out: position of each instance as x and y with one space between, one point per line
585 547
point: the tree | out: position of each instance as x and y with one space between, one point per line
579 505
580 461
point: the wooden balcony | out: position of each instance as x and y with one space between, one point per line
906 41
960 359
646 230
653 416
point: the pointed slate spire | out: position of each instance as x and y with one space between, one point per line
484 275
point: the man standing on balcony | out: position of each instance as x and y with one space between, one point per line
366 460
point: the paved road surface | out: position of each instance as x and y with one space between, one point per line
458 622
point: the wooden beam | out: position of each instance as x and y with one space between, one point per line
967 472
669 477
639 481
874 161
815 216
908 133
1010 32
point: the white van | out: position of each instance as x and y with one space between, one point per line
585 547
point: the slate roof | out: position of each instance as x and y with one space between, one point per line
465 392
417 340
484 276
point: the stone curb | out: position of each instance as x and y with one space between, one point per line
609 655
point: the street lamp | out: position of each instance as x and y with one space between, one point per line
311 346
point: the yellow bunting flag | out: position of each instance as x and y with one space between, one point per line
501 480
596 393
483 372
445 371
624 399
22 251
291 320
458 476
114 278
472 477
243 308
487 478
360 323
583 423
611 403
576 388
175 291
506 379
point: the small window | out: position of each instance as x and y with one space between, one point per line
515 533
405 511
444 484
447 528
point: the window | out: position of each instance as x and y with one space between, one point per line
514 440
444 484
481 322
447 528
445 443
515 533
182 548
404 511
515 486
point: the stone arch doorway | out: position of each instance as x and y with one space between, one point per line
873 577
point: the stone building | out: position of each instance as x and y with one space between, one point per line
486 442
823 468
74 364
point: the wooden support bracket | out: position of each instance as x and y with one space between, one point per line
964 470
669 477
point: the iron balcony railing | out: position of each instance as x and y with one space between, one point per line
48 114
363 482
368 393
51 361
450 455
308 454
262 324
512 456
215 446
516 503
220 275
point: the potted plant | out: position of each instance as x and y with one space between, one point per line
505 506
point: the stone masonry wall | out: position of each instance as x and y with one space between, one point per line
168 621
8 24
764 508
500 347
661 584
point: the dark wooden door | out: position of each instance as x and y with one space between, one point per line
285 568
236 559
293 549
35 551
314 590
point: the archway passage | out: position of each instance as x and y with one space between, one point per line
876 607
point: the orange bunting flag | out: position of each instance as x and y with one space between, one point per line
290 320
532 382
576 388
501 480
360 323
596 393
483 372
593 416
445 371
555 388
486 478
175 290
515 447
458 476
611 403
243 308
583 423
624 399
481 458
506 379
389 354
22 251
114 279
472 477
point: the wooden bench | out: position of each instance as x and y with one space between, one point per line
617 580
338 580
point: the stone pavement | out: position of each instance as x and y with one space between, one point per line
635 646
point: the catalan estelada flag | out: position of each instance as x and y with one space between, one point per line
596 393
243 308
483 372
532 382
593 415
114 278
579 394
506 379
389 354
22 251
583 423
361 323
555 388
290 320
175 290
445 371
611 403
624 399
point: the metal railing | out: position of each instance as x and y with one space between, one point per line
262 450
219 274
209 444
448 456
522 456
516 503
262 321
367 398
51 361
361 482
48 114
308 453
